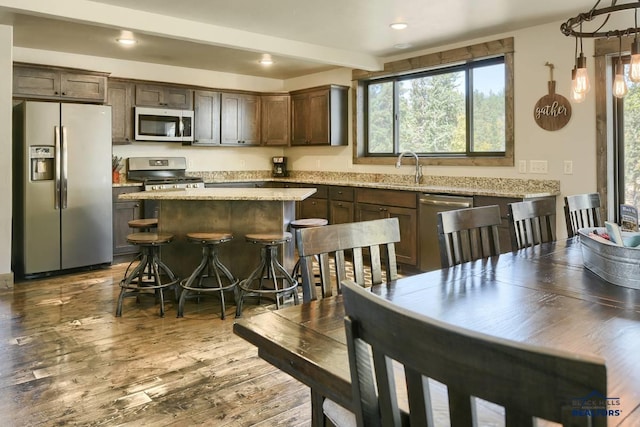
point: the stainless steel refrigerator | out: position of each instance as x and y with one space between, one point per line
62 216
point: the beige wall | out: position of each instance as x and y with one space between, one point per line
533 48
6 43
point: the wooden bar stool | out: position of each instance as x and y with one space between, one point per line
210 267
137 282
263 281
298 224
143 224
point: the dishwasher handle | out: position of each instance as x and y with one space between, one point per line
446 203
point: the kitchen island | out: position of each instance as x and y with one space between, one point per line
238 210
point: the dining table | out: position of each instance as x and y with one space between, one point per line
541 295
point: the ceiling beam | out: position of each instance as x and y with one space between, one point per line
100 14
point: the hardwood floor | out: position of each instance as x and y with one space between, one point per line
66 359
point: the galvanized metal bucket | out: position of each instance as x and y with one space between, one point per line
616 264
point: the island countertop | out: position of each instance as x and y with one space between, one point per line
228 194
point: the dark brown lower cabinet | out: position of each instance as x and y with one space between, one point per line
123 212
341 212
406 249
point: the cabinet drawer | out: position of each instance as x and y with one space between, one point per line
403 199
341 193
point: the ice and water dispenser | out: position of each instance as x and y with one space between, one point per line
41 158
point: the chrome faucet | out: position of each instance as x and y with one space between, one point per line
418 165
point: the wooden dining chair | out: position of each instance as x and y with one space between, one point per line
527 381
532 222
468 234
369 245
580 211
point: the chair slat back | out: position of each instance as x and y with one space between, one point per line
468 234
527 381
367 244
582 210
532 222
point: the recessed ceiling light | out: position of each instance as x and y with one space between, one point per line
127 42
402 45
399 25
266 60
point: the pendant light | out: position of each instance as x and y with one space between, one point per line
575 96
634 67
619 85
600 18
581 84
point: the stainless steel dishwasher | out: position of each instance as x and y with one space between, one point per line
430 205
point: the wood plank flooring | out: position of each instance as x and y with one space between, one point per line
65 359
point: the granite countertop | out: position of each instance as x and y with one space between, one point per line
464 186
257 194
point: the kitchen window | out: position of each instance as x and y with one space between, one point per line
458 111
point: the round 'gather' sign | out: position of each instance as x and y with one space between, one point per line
552 111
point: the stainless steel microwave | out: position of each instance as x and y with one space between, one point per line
163 124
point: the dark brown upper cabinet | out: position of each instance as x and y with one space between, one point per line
319 116
206 125
240 124
151 95
120 97
53 83
275 119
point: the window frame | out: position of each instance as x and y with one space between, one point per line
434 63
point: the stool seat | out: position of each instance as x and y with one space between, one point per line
211 238
308 222
148 238
143 223
269 238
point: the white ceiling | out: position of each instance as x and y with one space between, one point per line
303 36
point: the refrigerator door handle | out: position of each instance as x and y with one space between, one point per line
65 168
57 173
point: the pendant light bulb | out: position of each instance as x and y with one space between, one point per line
575 96
634 67
619 85
582 84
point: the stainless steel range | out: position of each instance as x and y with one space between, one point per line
162 173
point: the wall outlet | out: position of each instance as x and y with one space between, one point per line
522 166
568 167
538 166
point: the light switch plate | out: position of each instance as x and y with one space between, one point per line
522 166
538 166
568 167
